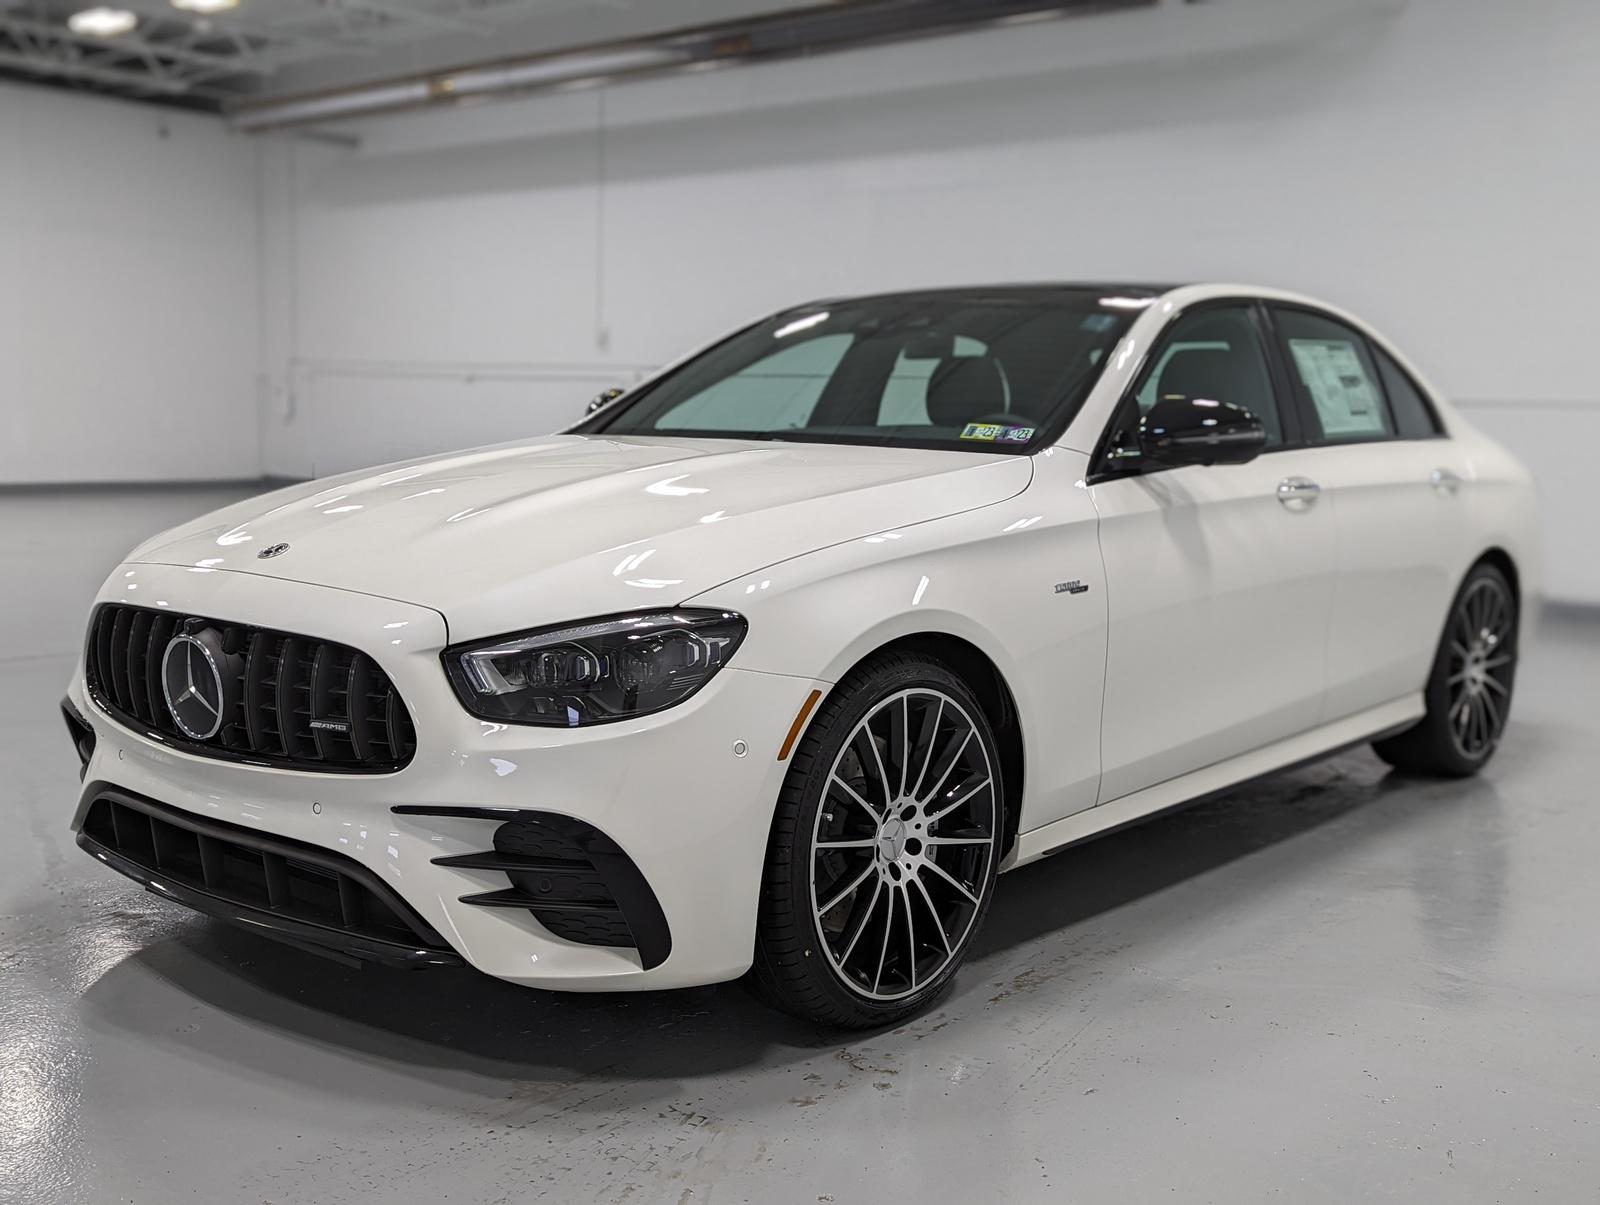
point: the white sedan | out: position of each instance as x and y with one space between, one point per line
771 664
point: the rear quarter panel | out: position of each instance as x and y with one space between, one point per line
1503 506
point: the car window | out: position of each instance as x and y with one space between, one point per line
1413 416
1331 366
1147 392
905 393
780 390
1211 353
990 370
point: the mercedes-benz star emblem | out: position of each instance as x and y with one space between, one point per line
272 550
191 679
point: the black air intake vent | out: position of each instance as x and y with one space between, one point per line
577 882
290 701
286 889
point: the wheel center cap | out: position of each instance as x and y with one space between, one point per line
892 839
1476 670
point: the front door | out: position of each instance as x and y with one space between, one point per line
1219 578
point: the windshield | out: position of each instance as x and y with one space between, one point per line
986 371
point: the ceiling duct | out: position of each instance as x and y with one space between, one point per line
840 26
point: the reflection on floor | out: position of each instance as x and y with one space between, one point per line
1340 983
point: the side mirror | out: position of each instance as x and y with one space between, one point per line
1192 430
604 398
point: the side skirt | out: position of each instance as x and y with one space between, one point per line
1216 779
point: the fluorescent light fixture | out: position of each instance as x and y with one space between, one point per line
573 68
102 22
354 104
204 7
559 69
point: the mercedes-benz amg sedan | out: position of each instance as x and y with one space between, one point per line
770 665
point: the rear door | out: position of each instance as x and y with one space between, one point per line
1394 488
1218 577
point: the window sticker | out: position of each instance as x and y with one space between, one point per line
1346 399
997 433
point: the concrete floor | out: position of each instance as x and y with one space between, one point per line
1339 984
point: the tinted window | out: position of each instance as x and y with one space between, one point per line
905 394
986 371
1210 353
1334 372
783 388
1413 417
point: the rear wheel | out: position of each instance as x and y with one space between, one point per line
883 853
1469 689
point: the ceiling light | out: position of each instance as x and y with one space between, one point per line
204 6
102 22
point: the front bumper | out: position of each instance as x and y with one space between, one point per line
668 790
296 893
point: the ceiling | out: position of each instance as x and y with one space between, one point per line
268 48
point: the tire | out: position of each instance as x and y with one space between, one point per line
1468 694
870 926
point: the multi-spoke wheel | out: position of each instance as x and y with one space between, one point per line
1469 689
902 847
884 847
1481 662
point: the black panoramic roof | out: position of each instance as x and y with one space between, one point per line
1030 291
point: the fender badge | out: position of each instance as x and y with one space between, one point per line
1072 587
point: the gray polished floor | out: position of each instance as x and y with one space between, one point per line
1341 984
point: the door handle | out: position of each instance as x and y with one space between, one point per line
1298 493
1444 481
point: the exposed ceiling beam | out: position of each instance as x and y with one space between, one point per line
840 25
229 22
221 54
131 46
139 81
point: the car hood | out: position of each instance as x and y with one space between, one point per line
517 536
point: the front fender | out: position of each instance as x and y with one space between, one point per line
1021 580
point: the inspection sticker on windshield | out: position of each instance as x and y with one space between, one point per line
997 433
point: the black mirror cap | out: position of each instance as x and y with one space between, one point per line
1181 430
604 398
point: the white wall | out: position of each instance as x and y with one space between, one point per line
472 274
128 347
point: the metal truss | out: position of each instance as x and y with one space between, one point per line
183 56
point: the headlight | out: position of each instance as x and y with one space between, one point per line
591 673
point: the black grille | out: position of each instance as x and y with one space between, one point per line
257 872
299 703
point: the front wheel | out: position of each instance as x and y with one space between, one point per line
1469 688
884 847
